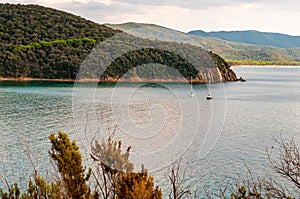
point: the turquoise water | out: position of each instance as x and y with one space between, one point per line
214 139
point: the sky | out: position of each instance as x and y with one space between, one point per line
278 16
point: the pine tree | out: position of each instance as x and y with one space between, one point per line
69 163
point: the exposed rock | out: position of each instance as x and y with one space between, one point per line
224 71
241 79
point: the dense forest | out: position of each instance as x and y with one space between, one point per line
40 42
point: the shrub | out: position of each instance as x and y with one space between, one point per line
137 186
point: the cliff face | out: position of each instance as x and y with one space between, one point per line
224 71
44 43
227 75
217 75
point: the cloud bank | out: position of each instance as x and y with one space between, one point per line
185 15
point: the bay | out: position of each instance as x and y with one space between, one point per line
213 139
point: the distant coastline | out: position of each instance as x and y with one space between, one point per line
261 63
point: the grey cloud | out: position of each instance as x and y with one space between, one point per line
131 5
196 4
20 1
215 11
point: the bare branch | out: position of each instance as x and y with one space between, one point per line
176 181
288 165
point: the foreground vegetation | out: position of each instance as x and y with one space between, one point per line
113 176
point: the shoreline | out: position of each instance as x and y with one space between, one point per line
261 63
266 66
25 79
94 80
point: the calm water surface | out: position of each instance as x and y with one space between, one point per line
214 139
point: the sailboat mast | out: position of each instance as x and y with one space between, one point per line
192 92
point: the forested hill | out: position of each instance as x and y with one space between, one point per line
23 30
40 42
254 37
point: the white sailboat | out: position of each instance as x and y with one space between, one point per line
192 93
209 96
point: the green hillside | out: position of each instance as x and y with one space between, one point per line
227 49
40 42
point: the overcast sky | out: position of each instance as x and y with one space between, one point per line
185 15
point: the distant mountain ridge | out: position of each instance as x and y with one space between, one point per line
253 37
227 49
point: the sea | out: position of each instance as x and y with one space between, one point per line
215 142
